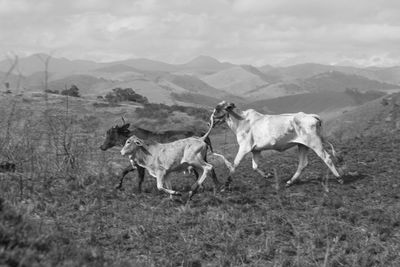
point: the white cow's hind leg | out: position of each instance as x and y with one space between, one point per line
303 161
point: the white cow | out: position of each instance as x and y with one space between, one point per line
256 132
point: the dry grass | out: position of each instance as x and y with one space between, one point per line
53 213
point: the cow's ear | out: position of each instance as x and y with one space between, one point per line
230 106
138 142
124 128
141 145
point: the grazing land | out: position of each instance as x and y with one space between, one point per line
61 208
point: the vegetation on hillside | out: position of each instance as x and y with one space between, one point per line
161 111
60 207
315 102
360 98
72 91
127 94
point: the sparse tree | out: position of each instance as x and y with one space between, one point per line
72 91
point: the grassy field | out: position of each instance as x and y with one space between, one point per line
57 213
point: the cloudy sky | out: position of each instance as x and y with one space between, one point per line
257 32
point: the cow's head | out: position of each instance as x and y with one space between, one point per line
115 136
132 144
221 112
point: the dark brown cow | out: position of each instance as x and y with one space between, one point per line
117 136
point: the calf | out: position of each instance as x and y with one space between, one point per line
162 159
117 136
256 132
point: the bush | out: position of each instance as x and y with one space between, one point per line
49 91
73 91
127 94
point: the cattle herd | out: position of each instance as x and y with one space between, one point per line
255 132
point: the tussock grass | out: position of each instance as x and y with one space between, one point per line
55 211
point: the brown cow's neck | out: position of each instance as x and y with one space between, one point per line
122 137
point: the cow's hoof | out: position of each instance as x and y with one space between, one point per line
178 200
225 187
185 197
269 176
119 187
201 188
340 181
288 184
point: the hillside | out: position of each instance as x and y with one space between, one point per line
61 208
36 62
274 90
202 81
195 85
203 65
391 75
307 70
322 102
115 68
236 80
335 81
378 117
85 83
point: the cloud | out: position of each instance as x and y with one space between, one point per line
241 31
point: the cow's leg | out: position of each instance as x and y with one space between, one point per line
168 184
256 161
316 145
206 169
217 184
160 184
125 171
141 172
303 161
239 156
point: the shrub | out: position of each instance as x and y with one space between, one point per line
72 91
49 91
127 94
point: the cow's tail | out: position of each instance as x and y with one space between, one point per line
207 140
211 124
205 137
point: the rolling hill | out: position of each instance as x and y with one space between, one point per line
373 118
236 80
34 63
203 65
201 81
334 81
323 103
274 90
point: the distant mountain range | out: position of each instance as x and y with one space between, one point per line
205 81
